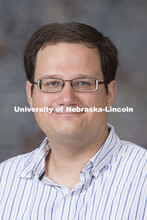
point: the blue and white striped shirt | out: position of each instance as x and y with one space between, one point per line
112 186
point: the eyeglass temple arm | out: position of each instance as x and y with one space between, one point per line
102 82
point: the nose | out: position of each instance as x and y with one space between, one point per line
67 95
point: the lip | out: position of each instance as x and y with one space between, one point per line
68 115
69 111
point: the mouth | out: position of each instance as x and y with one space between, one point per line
67 115
69 110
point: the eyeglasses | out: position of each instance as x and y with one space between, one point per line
82 84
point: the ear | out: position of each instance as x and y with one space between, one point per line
29 94
111 92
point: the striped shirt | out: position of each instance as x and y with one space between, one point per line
112 186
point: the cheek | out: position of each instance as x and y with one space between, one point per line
98 101
101 100
42 99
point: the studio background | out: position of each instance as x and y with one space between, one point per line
125 22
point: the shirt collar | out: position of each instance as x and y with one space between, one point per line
103 158
34 162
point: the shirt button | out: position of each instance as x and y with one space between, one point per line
68 196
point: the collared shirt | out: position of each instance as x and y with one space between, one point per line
112 186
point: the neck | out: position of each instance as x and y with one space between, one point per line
68 160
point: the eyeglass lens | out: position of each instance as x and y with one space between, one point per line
79 84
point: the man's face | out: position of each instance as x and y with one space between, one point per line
68 61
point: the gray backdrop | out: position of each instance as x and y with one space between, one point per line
125 22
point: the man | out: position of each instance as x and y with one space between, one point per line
82 170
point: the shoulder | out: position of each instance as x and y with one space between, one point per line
126 150
13 165
133 150
133 160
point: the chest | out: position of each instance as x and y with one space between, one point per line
98 198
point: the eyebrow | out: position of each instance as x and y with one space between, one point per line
58 76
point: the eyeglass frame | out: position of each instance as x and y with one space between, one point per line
64 81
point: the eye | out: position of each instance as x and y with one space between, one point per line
52 83
83 83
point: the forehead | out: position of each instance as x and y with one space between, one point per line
70 58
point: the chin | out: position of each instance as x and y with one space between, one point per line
66 129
